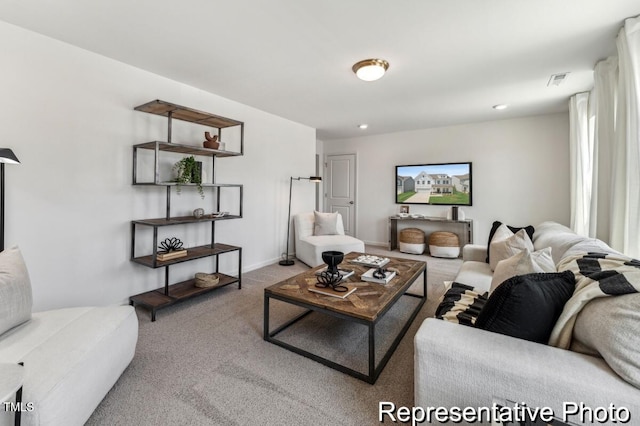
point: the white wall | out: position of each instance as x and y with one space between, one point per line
68 116
520 171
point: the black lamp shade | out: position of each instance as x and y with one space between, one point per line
7 156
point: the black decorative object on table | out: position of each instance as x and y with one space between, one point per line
380 273
331 277
332 259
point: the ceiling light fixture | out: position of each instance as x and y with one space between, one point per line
500 107
370 69
362 126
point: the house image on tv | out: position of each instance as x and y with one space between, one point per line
405 184
442 183
423 183
463 183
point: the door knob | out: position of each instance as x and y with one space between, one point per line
350 202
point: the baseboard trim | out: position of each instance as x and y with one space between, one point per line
376 244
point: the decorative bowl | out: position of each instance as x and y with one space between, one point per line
332 259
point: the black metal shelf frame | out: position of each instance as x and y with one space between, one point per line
151 299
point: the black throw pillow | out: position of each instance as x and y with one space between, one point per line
527 306
494 227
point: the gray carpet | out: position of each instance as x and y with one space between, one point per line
203 362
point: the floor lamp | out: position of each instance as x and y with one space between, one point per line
317 179
6 156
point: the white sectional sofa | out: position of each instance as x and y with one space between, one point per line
463 366
72 357
309 243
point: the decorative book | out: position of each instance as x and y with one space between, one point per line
368 276
170 255
370 260
328 291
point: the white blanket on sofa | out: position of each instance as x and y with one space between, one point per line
597 275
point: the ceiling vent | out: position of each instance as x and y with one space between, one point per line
557 79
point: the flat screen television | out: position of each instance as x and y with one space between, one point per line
448 184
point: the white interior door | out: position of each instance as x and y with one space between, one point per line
340 189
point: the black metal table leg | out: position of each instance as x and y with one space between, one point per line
265 333
372 353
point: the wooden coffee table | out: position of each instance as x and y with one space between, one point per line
367 305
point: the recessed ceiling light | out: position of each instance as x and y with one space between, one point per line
362 126
370 69
500 106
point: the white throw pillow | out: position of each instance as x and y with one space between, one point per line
325 223
15 290
525 262
505 244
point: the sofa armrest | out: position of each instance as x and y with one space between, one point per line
475 252
462 366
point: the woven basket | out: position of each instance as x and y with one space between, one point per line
444 244
444 239
412 236
204 280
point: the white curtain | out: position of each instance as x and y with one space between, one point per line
581 157
605 149
602 109
625 195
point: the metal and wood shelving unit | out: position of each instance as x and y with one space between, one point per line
170 294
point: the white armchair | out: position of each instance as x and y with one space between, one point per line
309 247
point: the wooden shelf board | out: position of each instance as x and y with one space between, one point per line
186 149
156 299
203 184
181 220
192 253
191 115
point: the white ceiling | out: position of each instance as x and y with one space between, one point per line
451 60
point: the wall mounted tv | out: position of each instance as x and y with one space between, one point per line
448 184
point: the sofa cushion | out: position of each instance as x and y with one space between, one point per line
325 223
589 245
525 262
494 227
557 236
527 306
476 274
15 290
610 327
505 244
461 304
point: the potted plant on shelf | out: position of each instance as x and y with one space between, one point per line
188 170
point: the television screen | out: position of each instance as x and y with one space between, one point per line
448 184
